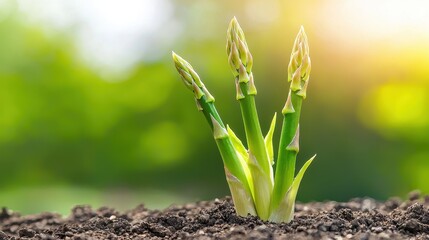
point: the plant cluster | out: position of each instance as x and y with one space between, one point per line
249 172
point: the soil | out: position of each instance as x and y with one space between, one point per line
362 218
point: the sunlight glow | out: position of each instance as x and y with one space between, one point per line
110 35
397 109
369 20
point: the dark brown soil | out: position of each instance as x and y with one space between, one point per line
356 219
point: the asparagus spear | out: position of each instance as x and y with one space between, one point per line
241 61
236 169
298 75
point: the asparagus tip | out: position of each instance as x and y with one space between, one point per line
300 65
176 58
239 57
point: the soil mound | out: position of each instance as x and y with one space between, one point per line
362 219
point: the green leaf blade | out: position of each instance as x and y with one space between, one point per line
285 211
243 200
238 145
269 140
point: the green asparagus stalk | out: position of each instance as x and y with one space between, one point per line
298 75
236 170
241 61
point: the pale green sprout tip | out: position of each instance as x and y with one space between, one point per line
239 58
300 64
191 79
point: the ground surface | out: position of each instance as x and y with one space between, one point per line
357 219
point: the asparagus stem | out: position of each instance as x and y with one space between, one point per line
234 171
241 61
260 167
298 74
236 168
285 167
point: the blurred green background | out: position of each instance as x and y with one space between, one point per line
92 111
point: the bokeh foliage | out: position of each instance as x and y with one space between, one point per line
62 124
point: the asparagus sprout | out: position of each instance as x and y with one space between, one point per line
236 168
249 172
298 75
241 61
